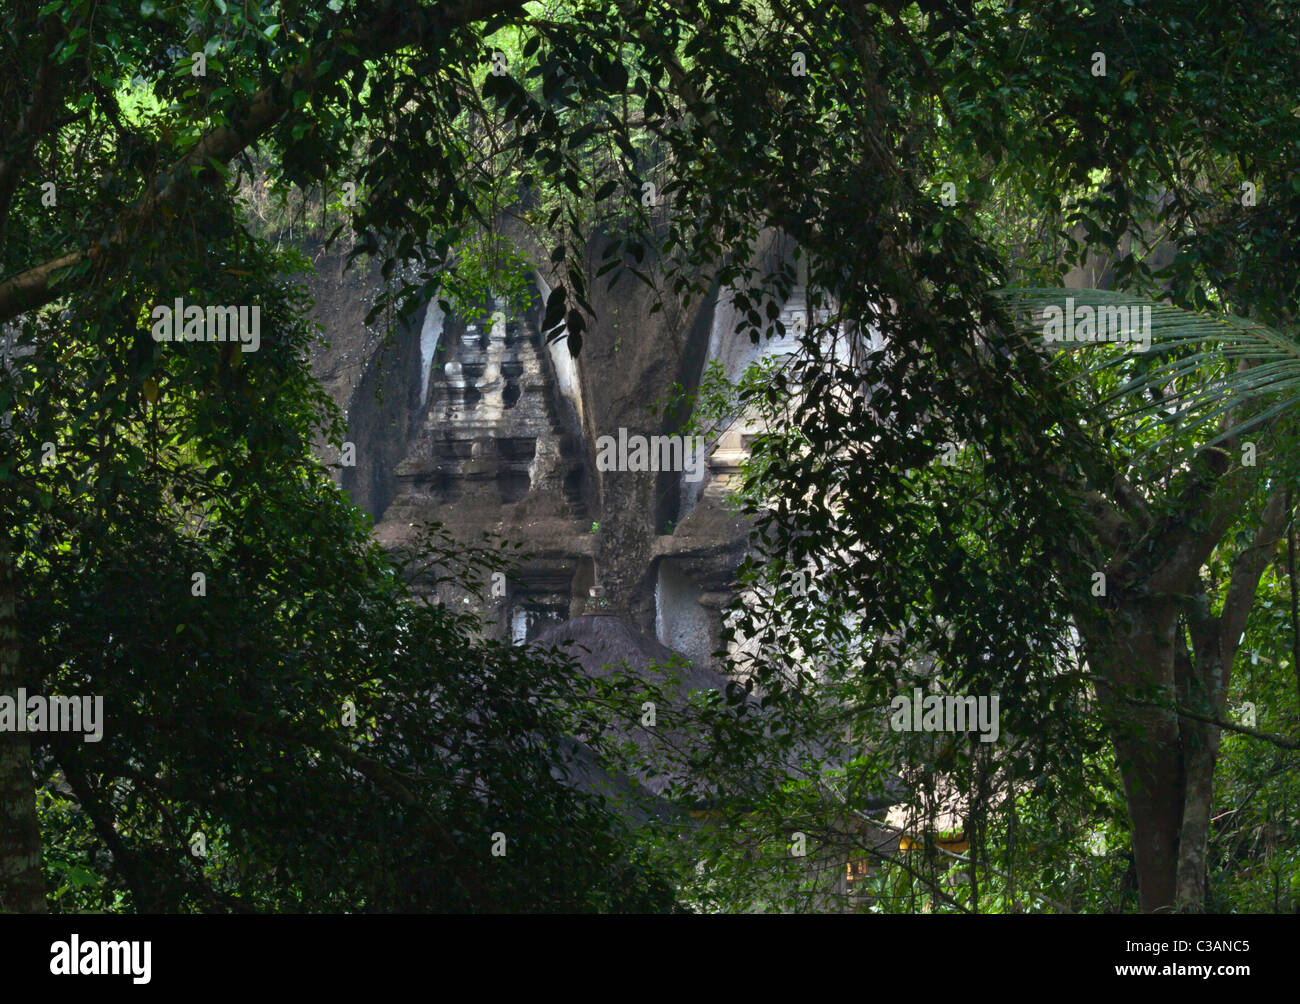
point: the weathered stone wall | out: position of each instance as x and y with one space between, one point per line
486 428
371 373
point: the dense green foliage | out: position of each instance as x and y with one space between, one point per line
665 142
287 727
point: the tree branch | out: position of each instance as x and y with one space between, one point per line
388 31
1280 741
1246 571
30 125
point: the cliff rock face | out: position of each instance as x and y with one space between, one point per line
482 426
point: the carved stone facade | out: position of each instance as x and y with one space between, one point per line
483 426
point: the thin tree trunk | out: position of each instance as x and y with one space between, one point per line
22 885
1295 591
1200 753
1202 685
1203 688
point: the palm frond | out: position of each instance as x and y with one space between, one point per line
1189 376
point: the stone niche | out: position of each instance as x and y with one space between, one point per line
499 451
485 427
495 444
681 620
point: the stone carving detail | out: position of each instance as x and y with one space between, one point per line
496 433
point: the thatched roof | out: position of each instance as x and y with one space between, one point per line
600 643
580 768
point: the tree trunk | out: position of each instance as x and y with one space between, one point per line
1200 752
1202 688
1139 660
22 885
1203 677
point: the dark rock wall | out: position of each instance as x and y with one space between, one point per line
372 374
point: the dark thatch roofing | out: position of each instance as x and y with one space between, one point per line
600 643
581 769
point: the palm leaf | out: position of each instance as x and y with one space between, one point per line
1190 365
